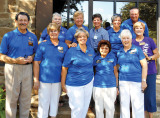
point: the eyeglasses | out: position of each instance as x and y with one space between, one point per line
53 31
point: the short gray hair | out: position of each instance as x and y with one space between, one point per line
125 32
116 16
80 30
56 14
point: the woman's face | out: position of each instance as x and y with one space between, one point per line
57 20
53 34
79 20
117 22
126 41
104 50
97 22
139 30
82 38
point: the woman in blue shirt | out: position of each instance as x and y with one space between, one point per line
97 33
77 75
47 72
114 33
78 18
105 80
132 77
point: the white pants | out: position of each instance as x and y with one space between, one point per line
104 99
131 91
79 99
49 94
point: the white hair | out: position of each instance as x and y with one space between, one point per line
125 32
56 14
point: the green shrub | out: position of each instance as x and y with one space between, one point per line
2 101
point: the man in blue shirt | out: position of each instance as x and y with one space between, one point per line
17 51
134 17
62 35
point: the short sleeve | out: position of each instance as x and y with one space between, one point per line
43 35
69 35
140 53
146 32
35 44
39 53
152 43
94 61
4 44
106 35
115 61
68 58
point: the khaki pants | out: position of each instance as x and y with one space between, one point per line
18 82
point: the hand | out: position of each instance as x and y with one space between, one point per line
36 84
44 40
29 59
73 45
147 57
21 60
144 86
64 88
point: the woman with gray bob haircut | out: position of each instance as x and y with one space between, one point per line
114 33
132 77
56 18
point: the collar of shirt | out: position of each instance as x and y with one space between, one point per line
122 49
112 30
98 30
78 48
130 21
21 34
50 43
75 26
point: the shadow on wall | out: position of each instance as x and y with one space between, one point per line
44 10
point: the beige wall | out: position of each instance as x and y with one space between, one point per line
8 10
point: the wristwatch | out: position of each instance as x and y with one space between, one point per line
143 80
150 58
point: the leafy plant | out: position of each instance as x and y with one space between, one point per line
2 101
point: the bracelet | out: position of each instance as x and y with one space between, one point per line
143 80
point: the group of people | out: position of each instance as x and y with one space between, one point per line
120 60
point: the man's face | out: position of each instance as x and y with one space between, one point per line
22 22
134 15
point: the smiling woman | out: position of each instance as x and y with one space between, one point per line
47 72
132 76
77 75
151 53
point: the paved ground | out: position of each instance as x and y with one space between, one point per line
64 111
